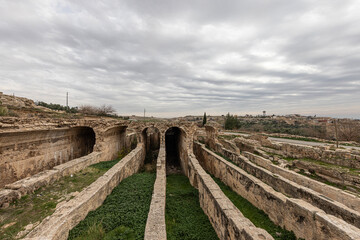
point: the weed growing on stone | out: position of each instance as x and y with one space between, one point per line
185 219
258 217
105 165
123 214
316 177
228 137
123 152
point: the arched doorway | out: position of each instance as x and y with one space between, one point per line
151 138
173 143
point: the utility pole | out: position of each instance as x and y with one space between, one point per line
67 99
336 133
144 114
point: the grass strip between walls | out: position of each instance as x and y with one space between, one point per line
123 214
258 217
185 219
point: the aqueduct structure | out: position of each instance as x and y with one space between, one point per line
37 154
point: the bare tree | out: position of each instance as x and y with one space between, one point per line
88 109
104 110
349 130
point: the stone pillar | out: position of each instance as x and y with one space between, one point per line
211 136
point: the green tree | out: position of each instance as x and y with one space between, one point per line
231 122
204 119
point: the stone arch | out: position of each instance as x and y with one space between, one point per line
113 141
38 150
176 149
150 136
87 137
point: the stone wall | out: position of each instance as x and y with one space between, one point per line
336 194
28 185
113 141
339 157
69 214
25 153
246 144
227 220
339 176
183 146
151 137
131 141
294 190
304 219
155 224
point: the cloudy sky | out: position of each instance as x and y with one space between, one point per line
185 57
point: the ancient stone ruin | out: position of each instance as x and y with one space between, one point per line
36 154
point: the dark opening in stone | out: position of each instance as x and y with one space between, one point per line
172 144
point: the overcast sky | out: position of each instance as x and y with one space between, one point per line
185 57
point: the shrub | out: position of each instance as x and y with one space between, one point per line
3 111
57 107
231 122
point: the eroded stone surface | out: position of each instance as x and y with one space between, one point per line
69 214
294 214
155 225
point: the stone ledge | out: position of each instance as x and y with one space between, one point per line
293 214
155 224
69 214
30 184
292 189
227 220
336 194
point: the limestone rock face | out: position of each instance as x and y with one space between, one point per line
14 101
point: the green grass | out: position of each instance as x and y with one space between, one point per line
349 170
224 157
302 139
315 140
123 214
185 219
104 166
34 207
320 179
274 154
289 159
258 217
229 137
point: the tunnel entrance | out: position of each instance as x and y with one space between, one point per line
151 138
85 141
172 144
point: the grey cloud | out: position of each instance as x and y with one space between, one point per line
185 57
